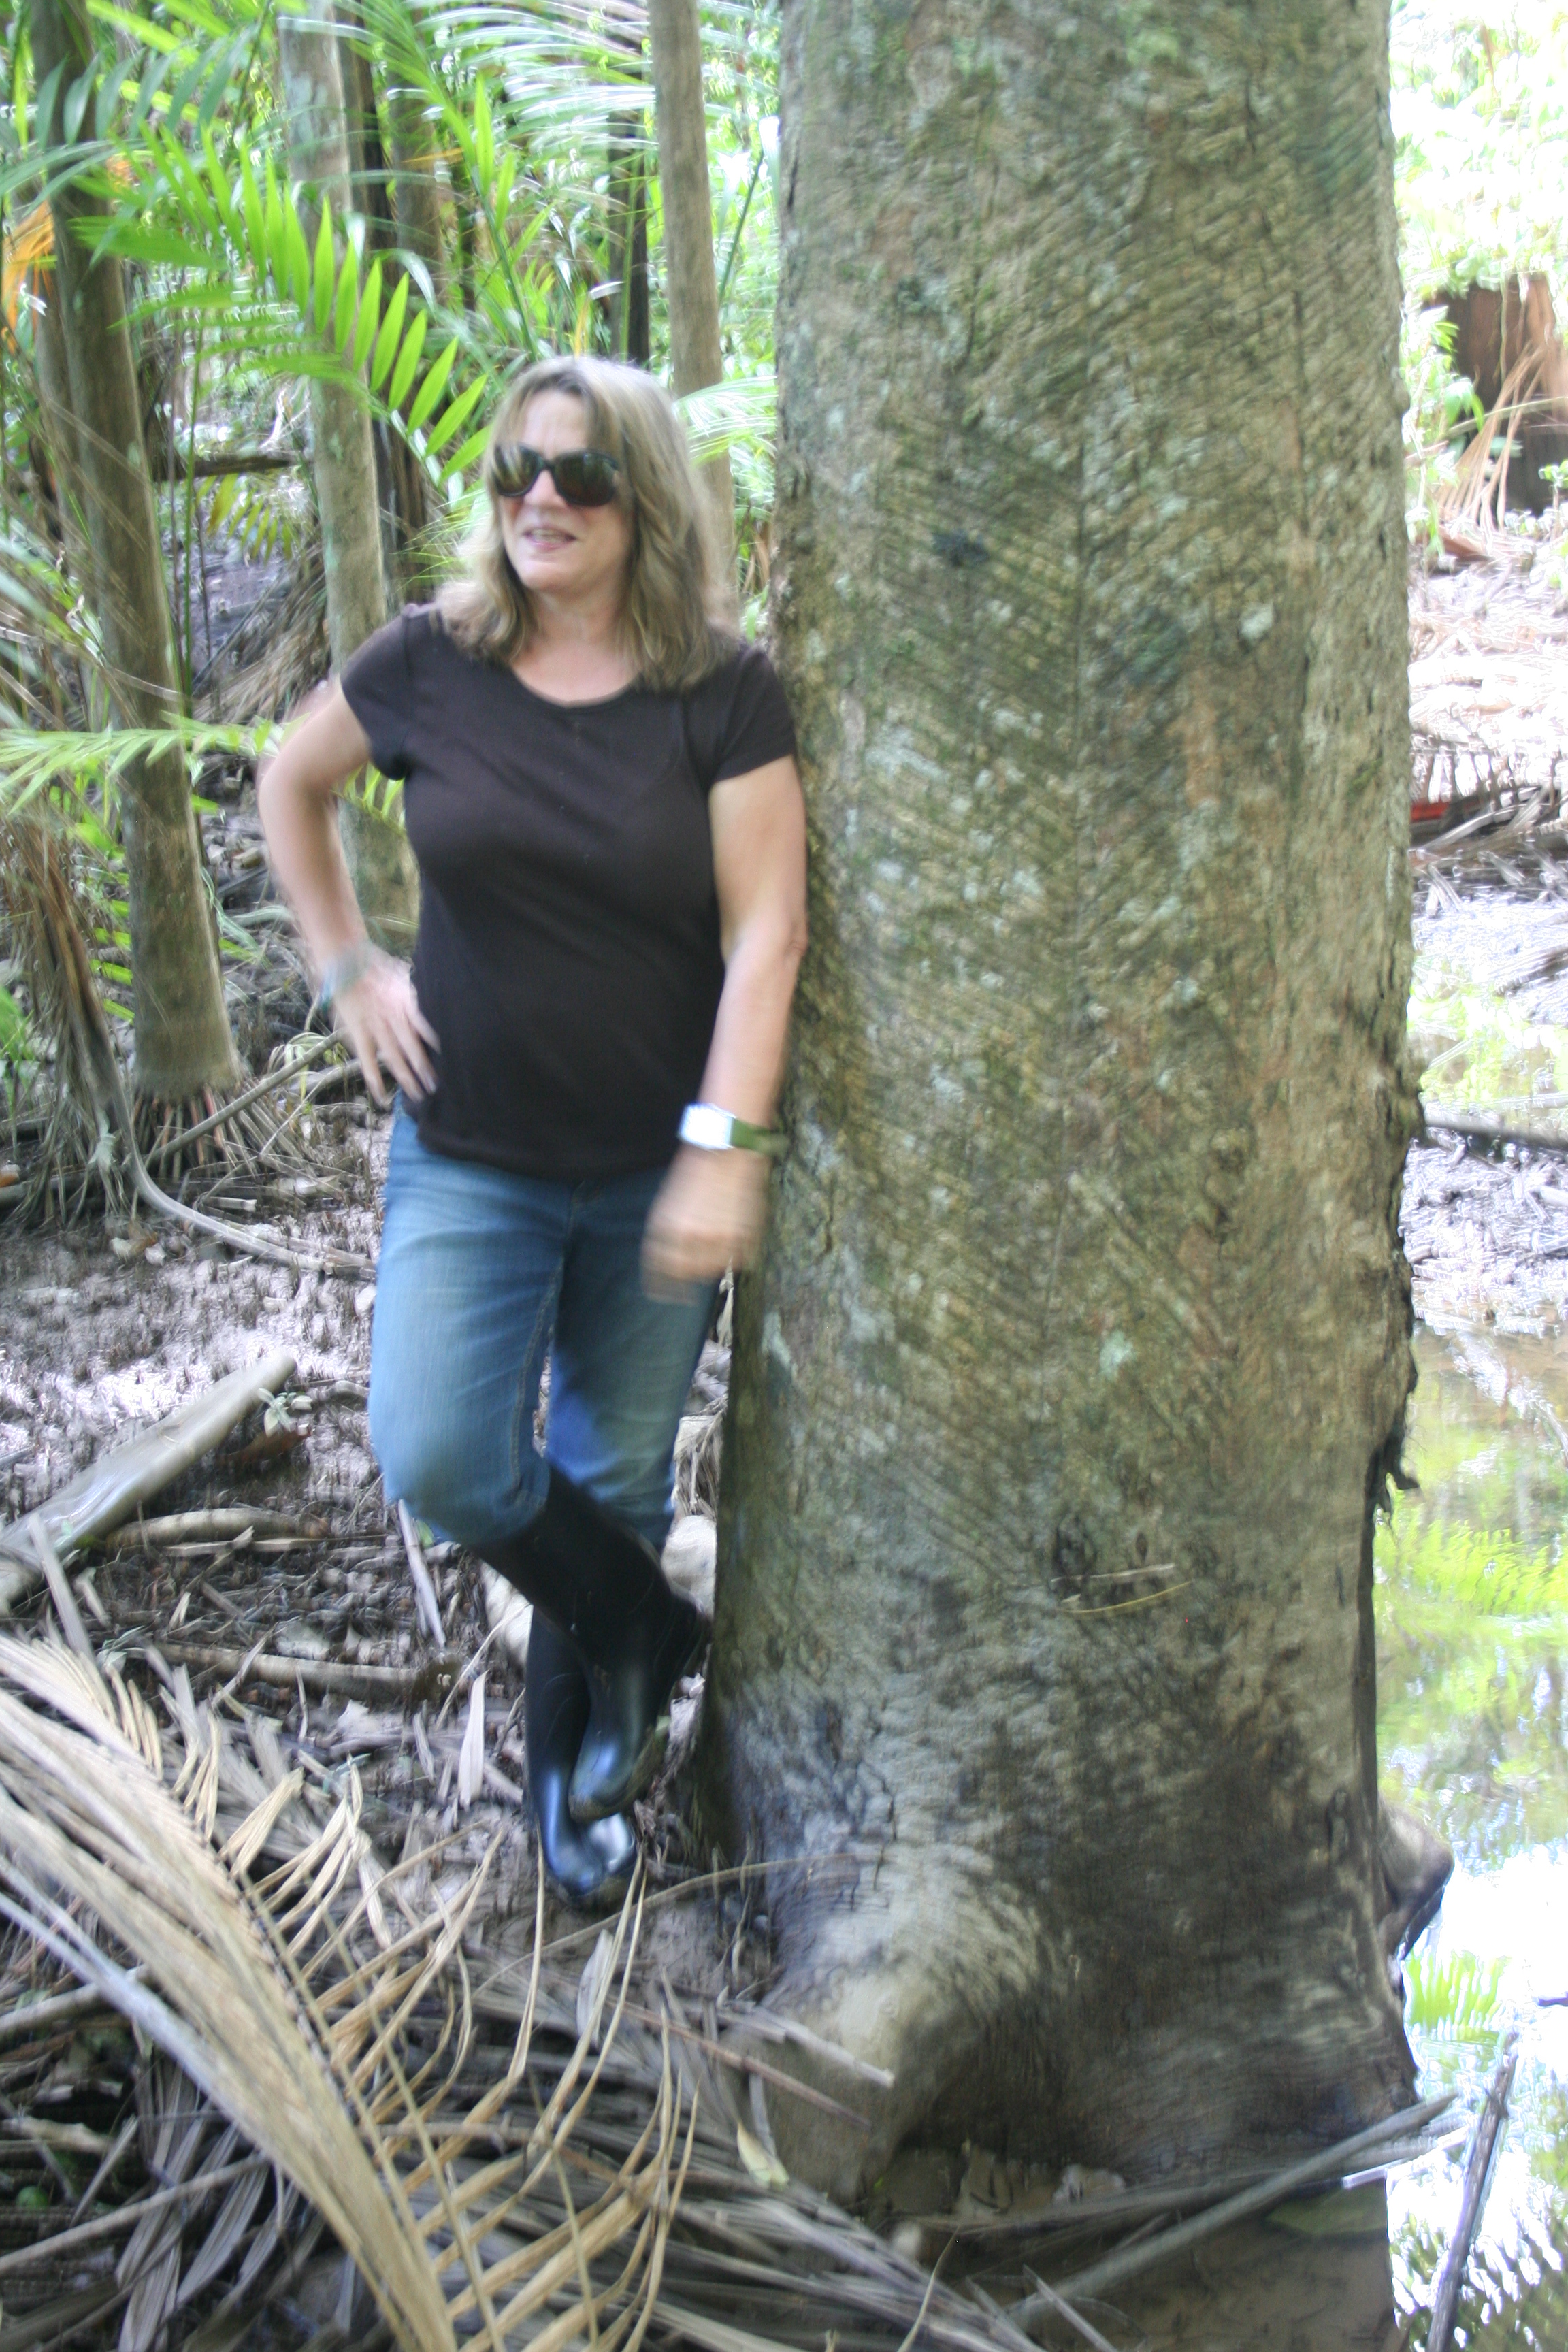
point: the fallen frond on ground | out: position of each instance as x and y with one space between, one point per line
261 1960
531 2151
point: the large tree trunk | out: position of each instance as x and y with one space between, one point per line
691 291
183 1042
1063 1400
343 454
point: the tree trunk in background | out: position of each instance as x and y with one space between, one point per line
464 212
380 861
51 376
628 313
418 192
1064 1397
691 291
183 1042
400 479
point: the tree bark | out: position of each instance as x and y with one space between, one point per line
380 862
183 1042
1065 1393
691 291
418 193
400 479
628 312
51 376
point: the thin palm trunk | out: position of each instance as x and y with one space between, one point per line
628 221
380 862
183 1042
400 484
697 361
418 189
51 374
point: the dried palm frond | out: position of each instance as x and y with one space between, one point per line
336 2055
1476 498
528 2156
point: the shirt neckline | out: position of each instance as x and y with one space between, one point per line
594 702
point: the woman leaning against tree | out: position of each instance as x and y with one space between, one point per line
600 791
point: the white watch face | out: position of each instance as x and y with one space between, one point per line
708 1128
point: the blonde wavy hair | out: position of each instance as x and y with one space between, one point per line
668 626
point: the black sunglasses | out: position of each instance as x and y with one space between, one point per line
583 477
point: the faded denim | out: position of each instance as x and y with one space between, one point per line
482 1275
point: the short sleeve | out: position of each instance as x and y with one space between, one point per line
738 719
377 680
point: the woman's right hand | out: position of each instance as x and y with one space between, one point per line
379 1014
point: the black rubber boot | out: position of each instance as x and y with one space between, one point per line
604 1585
590 1866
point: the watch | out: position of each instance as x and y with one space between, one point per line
712 1129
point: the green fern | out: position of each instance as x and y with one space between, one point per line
1456 1998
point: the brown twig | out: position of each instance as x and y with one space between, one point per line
220 1526
744 2066
125 2217
316 1674
1064 2310
424 1586
1473 2197
55 2010
60 1592
111 1488
1128 2261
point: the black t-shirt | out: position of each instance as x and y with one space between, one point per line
568 954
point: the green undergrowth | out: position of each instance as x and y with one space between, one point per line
1472 1612
1477 1046
1453 1996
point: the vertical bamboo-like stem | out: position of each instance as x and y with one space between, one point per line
401 486
417 189
675 38
51 376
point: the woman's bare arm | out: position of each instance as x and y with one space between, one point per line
296 795
712 1207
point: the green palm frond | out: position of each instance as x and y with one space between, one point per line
739 413
1457 1996
36 763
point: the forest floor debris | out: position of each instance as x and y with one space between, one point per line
1486 1231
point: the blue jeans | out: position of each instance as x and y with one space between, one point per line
481 1275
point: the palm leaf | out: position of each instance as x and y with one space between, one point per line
269 1995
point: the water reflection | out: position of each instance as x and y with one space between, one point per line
1472 1611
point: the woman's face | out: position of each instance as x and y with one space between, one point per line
575 553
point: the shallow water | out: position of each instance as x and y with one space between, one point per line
1472 1613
